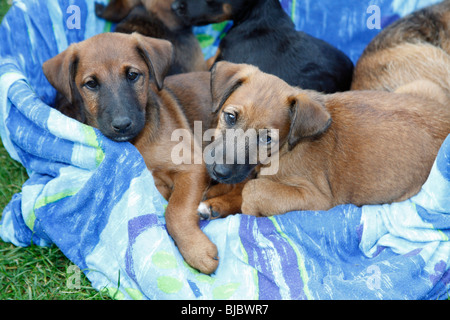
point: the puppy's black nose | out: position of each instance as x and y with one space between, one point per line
121 124
223 172
179 7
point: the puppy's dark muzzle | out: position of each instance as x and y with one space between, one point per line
122 125
121 128
179 7
229 174
124 117
222 172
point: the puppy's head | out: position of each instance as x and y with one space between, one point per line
265 114
107 79
163 10
202 12
118 10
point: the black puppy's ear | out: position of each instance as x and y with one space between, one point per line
61 70
226 77
309 118
158 54
115 10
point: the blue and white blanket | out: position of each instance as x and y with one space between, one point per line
96 201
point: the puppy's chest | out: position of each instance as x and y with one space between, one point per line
300 164
158 161
157 154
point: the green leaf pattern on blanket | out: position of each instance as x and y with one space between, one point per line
226 291
169 284
91 140
207 40
164 260
134 294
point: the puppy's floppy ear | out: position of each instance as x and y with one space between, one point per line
226 77
61 70
158 54
309 118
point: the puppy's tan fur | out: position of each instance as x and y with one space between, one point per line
379 147
413 52
182 100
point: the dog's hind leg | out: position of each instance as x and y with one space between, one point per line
264 197
425 89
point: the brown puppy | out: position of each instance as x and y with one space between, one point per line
155 18
116 81
413 52
362 147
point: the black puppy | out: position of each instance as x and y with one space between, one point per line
264 35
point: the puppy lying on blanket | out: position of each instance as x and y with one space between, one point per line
264 35
154 18
359 147
116 81
412 53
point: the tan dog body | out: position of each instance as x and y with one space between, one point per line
183 185
116 82
413 52
379 147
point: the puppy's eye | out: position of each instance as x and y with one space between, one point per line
132 76
91 84
230 118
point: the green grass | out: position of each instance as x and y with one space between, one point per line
34 272
4 6
37 273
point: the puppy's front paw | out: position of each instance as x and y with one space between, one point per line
206 211
208 262
220 207
202 256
